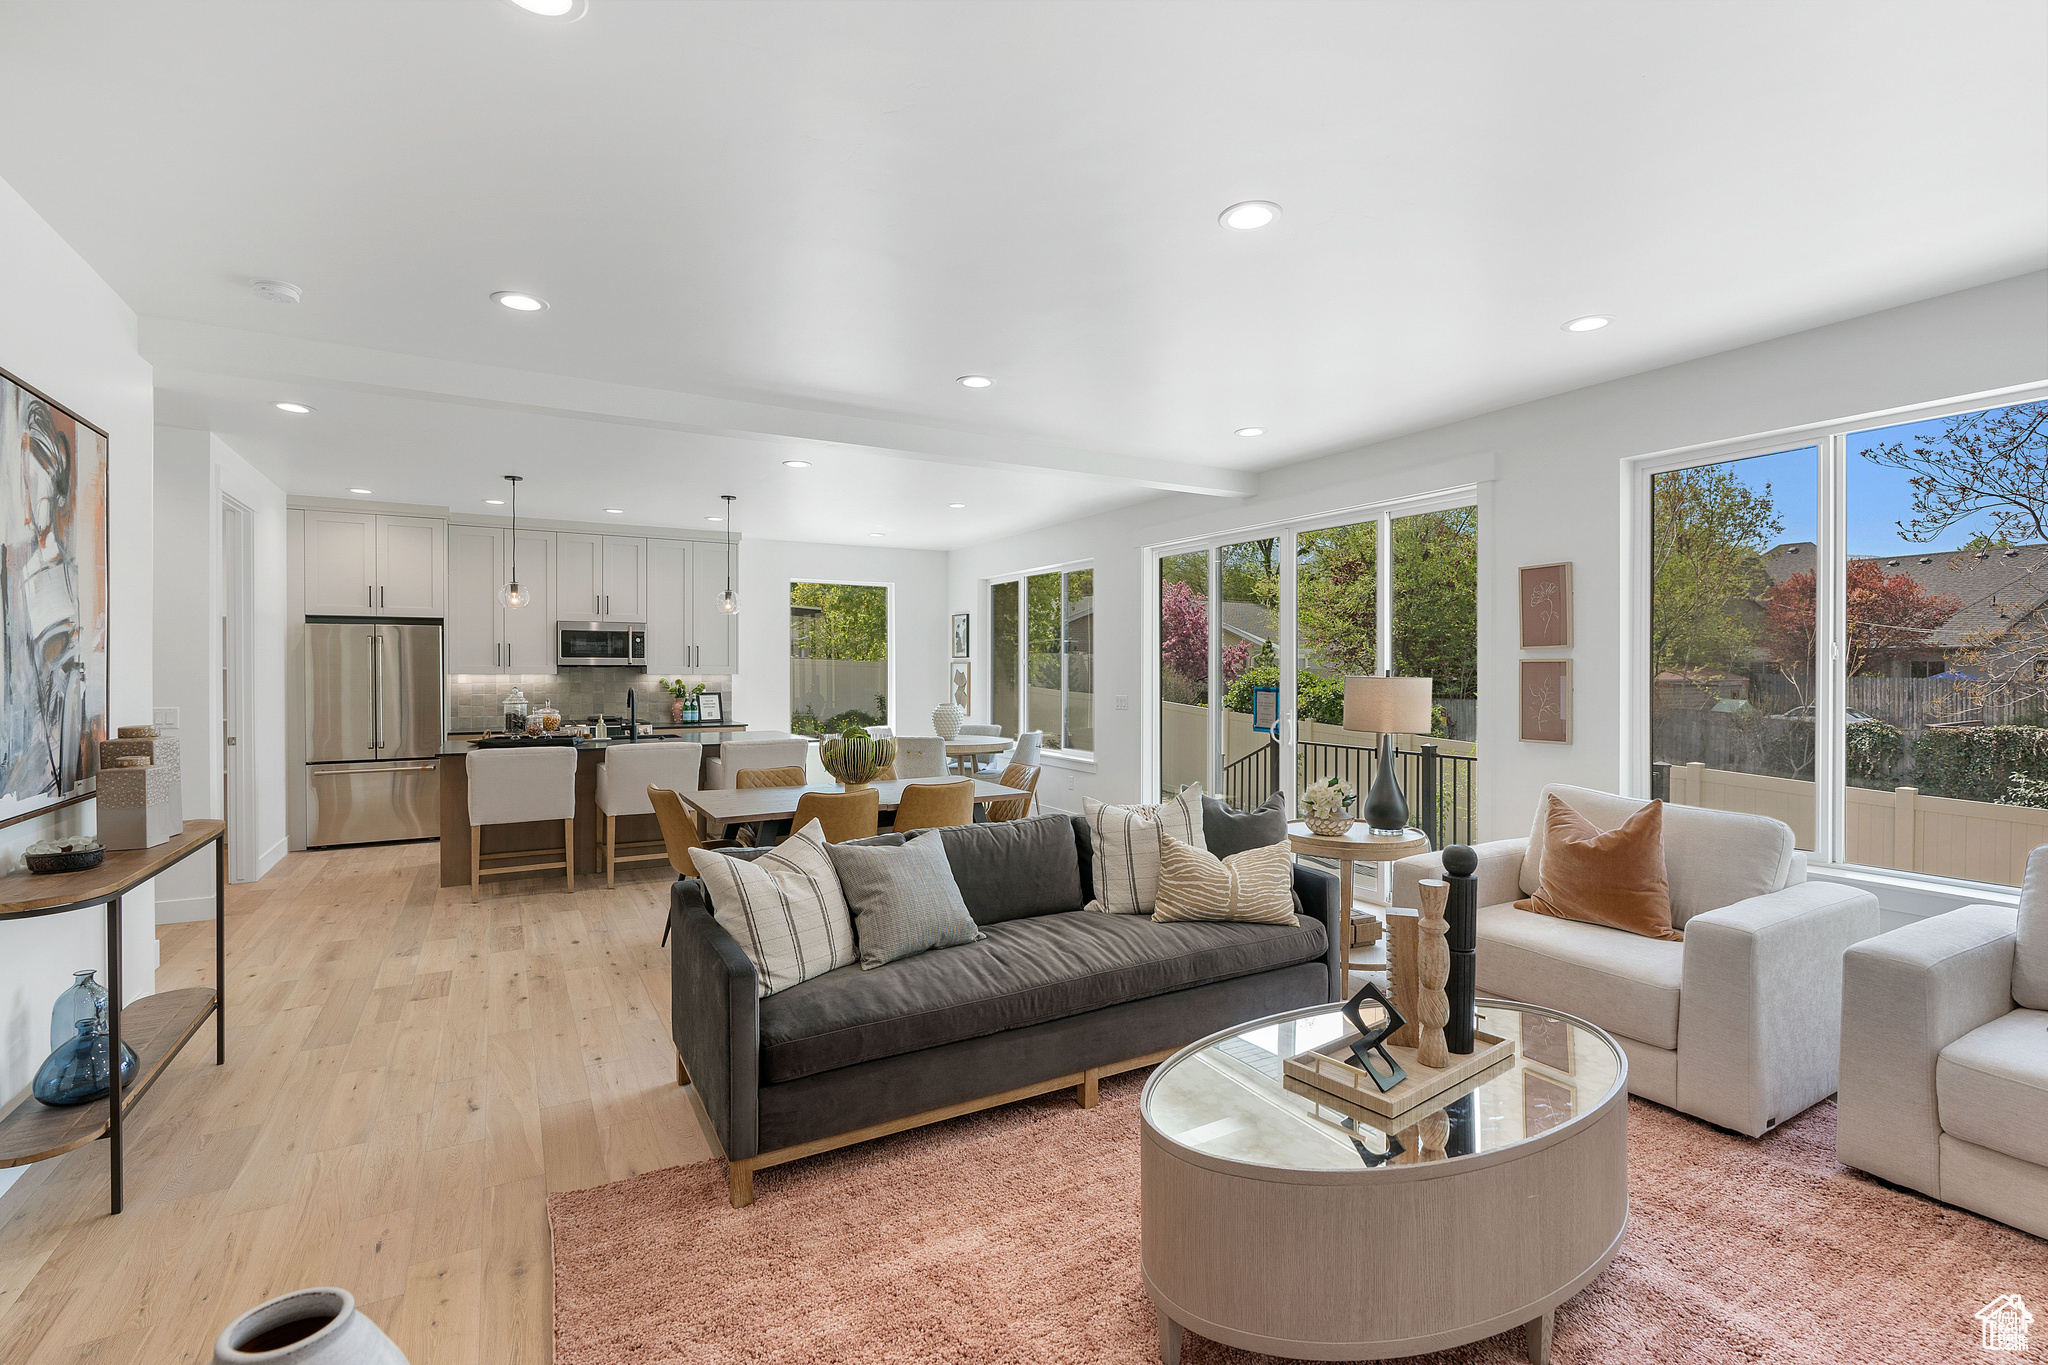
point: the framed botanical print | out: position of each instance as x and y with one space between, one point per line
963 690
1547 701
1546 606
960 640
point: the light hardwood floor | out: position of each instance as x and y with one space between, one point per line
408 1077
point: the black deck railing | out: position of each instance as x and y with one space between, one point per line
1440 787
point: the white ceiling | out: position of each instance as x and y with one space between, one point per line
777 229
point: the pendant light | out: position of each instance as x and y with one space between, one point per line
730 603
512 596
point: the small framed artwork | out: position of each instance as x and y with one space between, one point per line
1547 606
1265 708
960 641
963 689
711 708
1547 701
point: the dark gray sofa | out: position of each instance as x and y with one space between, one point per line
1052 996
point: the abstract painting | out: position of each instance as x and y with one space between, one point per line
53 601
1547 606
1547 701
962 691
960 650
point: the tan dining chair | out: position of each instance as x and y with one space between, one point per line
1015 807
842 815
516 787
678 836
763 831
935 805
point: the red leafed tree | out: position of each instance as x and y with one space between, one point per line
1184 637
1890 615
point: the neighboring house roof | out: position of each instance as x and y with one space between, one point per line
1249 621
1999 589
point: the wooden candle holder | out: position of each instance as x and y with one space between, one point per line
1433 971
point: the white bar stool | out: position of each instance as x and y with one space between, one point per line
516 786
623 778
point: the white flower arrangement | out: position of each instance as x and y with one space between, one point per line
1327 801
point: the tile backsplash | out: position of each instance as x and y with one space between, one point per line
475 699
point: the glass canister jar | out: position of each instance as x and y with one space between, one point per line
550 719
515 712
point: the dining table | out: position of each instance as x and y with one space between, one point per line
961 751
714 810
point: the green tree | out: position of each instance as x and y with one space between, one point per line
1436 599
1708 534
1993 463
852 621
1336 581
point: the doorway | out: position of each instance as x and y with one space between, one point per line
236 775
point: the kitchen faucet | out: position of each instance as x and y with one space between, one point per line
632 714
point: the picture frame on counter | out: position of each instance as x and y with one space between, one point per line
711 708
960 635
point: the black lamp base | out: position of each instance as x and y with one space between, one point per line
1385 809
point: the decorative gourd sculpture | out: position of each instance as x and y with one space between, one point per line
855 756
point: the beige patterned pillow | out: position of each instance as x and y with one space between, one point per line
1252 887
785 908
1125 840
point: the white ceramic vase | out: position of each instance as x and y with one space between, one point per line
947 718
306 1327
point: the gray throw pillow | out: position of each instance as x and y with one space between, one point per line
1010 869
904 899
1228 831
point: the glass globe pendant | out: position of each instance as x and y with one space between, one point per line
512 596
729 601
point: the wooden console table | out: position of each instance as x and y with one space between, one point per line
159 1025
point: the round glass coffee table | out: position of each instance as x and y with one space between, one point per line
1284 1220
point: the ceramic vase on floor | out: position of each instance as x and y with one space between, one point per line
306 1327
947 718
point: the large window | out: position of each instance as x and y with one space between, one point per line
1852 635
838 657
1043 634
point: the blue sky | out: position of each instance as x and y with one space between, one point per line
1879 496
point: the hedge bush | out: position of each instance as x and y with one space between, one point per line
1980 763
1873 752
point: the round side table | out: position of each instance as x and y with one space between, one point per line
1356 845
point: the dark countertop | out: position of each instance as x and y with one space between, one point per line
459 744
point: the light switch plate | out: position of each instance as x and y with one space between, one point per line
164 715
1123 703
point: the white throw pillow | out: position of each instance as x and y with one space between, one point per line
785 908
1126 844
1252 887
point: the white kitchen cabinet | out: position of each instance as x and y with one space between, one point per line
714 637
624 590
668 607
578 576
364 564
530 631
475 635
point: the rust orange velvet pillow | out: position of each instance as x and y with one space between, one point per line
1614 878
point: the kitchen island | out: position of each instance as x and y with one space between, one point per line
540 835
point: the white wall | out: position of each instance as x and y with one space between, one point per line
66 333
919 639
1552 472
195 470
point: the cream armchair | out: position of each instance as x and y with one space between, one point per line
1740 1024
1945 1057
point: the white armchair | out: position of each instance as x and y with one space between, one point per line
1759 972
1945 1057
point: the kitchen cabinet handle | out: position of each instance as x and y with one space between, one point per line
372 591
380 599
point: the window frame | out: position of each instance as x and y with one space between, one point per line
1022 578
1831 437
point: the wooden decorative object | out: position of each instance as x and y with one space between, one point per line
1546 701
1546 608
1435 1136
1403 931
1433 962
1329 1070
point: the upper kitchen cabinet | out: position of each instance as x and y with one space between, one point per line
714 636
686 632
530 631
483 635
366 564
600 578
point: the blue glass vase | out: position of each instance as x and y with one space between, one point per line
87 999
77 1072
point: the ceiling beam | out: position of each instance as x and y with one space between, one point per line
173 346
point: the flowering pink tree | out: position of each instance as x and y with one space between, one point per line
1184 637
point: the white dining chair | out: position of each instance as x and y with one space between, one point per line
920 756
520 786
1025 751
623 778
781 752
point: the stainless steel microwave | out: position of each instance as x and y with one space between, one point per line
586 644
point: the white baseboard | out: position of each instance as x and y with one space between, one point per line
183 909
271 857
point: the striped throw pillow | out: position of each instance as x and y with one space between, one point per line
1125 840
785 908
1252 887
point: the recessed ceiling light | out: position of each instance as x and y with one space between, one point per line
878 534
714 518
358 490
277 291
1252 213
616 511
555 9
1592 322
974 381
956 506
520 303
1251 431
797 464
494 502
291 407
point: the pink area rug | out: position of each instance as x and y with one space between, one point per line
1011 1238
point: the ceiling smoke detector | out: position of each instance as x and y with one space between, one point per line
567 11
277 291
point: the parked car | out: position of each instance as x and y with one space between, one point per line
1807 712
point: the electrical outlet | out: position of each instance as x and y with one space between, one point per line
1070 782
1123 703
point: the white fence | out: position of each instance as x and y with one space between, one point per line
830 686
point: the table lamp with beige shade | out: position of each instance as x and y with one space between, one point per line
1387 706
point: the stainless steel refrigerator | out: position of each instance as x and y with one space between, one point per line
374 731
